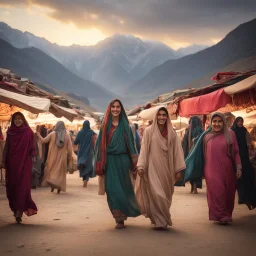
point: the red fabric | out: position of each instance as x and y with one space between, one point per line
164 133
221 75
205 104
110 134
20 143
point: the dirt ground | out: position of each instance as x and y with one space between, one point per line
79 223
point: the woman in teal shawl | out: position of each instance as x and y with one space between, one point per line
85 142
115 156
216 157
192 133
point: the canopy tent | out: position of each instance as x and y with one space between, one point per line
33 104
150 113
249 118
242 86
205 104
48 118
59 111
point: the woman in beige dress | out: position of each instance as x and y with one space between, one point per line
160 162
59 157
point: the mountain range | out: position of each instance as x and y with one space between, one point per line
42 69
235 52
124 65
115 63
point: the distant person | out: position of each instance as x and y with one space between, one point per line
159 166
115 156
192 133
245 186
59 157
85 140
17 159
216 157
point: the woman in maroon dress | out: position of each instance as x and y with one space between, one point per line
17 160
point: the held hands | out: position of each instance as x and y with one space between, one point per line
141 172
238 174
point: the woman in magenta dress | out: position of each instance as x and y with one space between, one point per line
17 160
216 157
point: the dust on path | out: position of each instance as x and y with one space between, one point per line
79 223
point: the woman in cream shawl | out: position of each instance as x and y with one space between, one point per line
160 163
59 158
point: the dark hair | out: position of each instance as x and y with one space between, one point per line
163 109
22 117
116 100
136 126
239 118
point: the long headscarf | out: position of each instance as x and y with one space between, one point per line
21 135
195 160
225 129
13 130
194 130
240 133
60 130
101 145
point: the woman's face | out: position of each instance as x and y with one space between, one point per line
116 109
18 121
240 122
217 124
161 117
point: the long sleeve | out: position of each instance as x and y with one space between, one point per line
47 138
144 151
77 140
178 155
6 150
236 152
69 151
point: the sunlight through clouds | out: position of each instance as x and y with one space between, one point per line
35 19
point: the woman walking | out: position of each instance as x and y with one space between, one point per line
85 140
216 157
245 186
192 133
18 154
115 156
160 162
59 157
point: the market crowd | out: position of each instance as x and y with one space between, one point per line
137 167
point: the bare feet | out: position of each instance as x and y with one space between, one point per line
85 183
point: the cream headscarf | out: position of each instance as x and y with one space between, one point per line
60 130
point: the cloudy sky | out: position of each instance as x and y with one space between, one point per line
177 23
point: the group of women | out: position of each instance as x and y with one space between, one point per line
138 184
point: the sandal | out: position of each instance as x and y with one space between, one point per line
18 220
120 225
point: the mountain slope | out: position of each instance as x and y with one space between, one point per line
194 48
115 62
237 45
39 67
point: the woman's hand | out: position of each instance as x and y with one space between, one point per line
141 172
238 174
178 176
